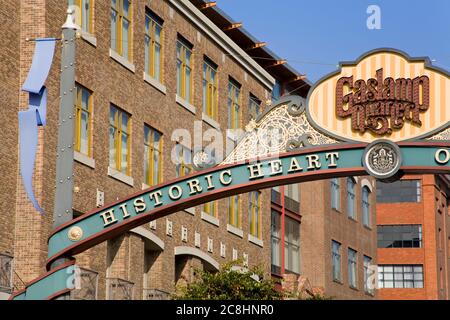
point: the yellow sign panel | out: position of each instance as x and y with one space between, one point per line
385 94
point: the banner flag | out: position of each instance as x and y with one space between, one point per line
36 114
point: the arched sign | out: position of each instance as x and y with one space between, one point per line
385 115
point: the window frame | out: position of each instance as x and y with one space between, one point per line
365 205
118 139
120 17
233 102
335 186
352 262
289 244
336 256
149 143
154 22
255 213
254 104
210 89
79 17
235 214
416 283
351 198
182 166
78 112
185 47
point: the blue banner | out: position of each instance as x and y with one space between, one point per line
36 114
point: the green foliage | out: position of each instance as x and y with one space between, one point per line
228 284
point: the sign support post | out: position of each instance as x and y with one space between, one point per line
66 126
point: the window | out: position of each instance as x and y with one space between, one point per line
336 260
254 213
119 140
400 276
183 161
210 96
234 107
399 191
275 236
352 257
234 211
276 92
365 199
399 236
368 288
83 121
292 192
211 208
84 14
292 246
121 40
152 156
351 198
254 107
335 194
153 45
6 271
184 69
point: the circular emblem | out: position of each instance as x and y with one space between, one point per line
382 159
75 234
203 159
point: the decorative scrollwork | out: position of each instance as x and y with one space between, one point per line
203 160
282 128
441 136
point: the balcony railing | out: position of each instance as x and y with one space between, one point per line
6 272
156 294
86 285
119 289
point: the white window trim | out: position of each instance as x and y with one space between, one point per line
88 37
113 173
123 61
213 123
209 218
189 107
236 231
155 83
84 159
256 241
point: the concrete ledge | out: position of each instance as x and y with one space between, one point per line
88 37
124 62
256 241
113 173
189 251
236 231
158 244
84 159
190 211
189 107
213 123
209 218
155 83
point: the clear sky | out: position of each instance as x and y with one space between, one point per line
314 35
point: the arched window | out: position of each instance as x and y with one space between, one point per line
366 206
351 198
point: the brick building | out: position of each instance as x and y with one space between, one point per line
414 238
144 70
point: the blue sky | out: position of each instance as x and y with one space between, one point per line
315 35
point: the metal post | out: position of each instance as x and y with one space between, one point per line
66 126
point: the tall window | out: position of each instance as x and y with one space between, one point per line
367 273
84 14
276 92
184 69
234 107
211 208
292 245
153 45
352 256
152 156
400 276
83 121
234 211
254 107
254 213
275 236
210 96
121 40
183 161
119 140
365 199
399 236
335 194
351 198
336 260
399 191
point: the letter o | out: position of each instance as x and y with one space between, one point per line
179 192
438 157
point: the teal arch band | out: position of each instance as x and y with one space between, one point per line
418 157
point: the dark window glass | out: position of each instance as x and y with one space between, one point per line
400 236
399 191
